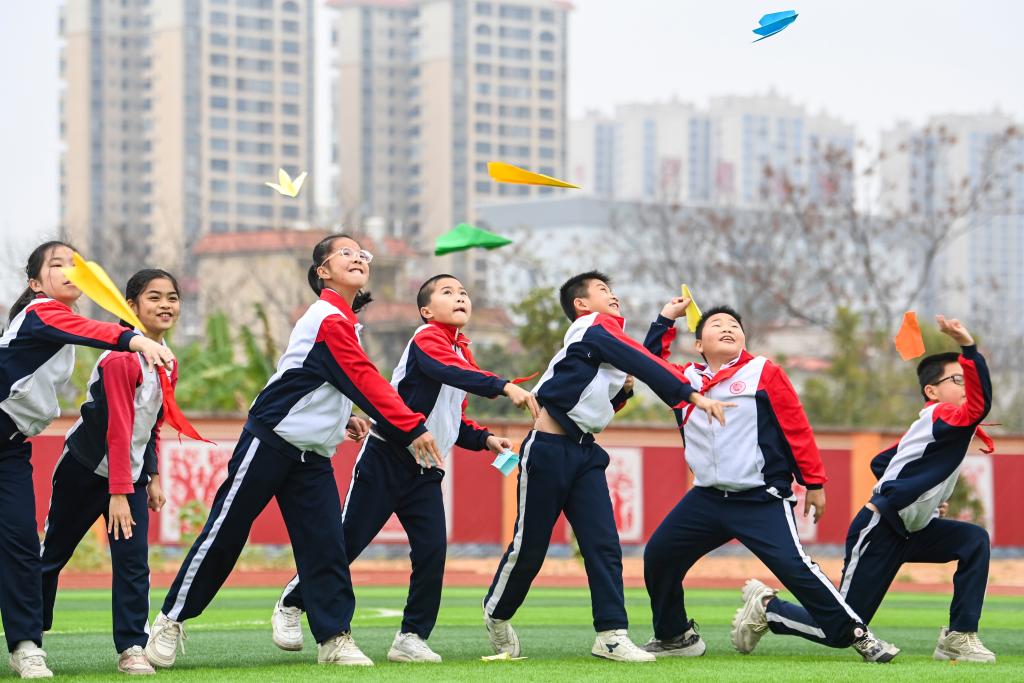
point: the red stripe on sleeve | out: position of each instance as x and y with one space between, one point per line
615 329
57 315
973 409
343 344
122 374
793 421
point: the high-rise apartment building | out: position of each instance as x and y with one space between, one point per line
429 91
173 115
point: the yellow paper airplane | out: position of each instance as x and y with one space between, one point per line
285 185
501 657
692 310
507 173
94 282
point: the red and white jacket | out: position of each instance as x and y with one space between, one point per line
118 433
37 356
766 442
918 473
433 377
306 404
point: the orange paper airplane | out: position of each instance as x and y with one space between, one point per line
909 342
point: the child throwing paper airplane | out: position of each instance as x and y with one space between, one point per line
434 375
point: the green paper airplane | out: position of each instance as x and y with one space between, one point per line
466 236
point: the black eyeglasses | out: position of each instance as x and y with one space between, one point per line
956 379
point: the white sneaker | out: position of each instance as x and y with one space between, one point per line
165 638
409 647
962 646
133 662
616 645
750 621
873 649
286 623
30 662
342 650
689 644
502 636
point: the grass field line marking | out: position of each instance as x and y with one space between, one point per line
382 612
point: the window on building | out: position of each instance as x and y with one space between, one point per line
515 12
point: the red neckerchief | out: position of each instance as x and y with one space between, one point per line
172 413
990 446
725 372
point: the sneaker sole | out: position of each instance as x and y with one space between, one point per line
157 660
151 672
286 646
401 657
945 657
691 651
751 589
604 655
349 663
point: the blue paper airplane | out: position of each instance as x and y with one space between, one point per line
770 24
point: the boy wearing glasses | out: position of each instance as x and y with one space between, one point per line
901 523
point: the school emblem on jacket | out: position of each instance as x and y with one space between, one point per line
737 387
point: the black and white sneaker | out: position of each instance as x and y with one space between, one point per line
689 644
874 649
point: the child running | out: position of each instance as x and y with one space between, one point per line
284 452
433 377
901 522
109 468
743 475
37 356
563 469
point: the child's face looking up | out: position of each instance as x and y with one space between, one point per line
599 299
449 303
946 389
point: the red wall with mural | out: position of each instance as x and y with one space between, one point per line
647 478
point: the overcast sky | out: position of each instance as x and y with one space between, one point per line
868 62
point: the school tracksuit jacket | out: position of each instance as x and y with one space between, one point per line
293 429
915 476
742 474
433 377
581 390
111 449
37 356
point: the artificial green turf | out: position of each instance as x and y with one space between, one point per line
231 641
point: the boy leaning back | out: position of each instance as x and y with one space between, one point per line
901 522
743 475
563 469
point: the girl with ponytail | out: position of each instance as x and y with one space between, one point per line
293 430
37 355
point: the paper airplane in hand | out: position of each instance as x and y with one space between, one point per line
693 313
909 342
285 185
94 282
770 24
466 236
507 173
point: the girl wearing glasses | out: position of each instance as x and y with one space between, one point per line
284 452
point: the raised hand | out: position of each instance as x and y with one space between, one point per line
675 308
953 328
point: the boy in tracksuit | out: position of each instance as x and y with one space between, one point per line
563 469
742 489
433 376
901 522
